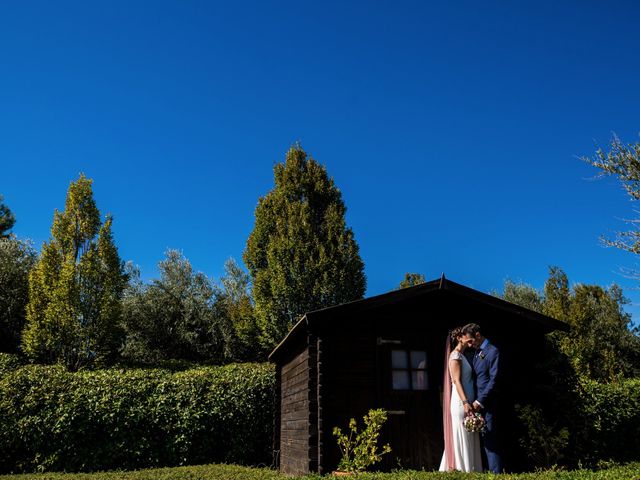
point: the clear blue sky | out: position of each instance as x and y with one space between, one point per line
452 130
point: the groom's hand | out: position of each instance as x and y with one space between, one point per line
477 406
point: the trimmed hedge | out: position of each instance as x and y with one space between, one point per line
226 472
9 362
610 421
51 419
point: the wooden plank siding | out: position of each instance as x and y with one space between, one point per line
293 409
348 387
312 435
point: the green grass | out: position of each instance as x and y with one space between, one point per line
234 472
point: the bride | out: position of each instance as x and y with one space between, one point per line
461 448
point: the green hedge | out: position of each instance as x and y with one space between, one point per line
609 417
9 362
227 472
51 419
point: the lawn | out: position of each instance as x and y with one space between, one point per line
234 472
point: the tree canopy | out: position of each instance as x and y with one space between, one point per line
236 313
411 279
603 343
17 258
171 318
301 255
7 219
76 286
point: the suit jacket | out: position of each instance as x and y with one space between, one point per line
486 365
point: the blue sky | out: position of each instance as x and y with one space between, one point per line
453 130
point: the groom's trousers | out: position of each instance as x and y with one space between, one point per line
491 444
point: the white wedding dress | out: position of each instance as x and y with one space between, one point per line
466 445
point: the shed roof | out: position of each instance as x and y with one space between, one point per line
398 296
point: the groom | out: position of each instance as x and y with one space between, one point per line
486 364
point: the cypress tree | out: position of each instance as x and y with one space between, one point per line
301 255
75 289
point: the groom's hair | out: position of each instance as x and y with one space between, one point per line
471 329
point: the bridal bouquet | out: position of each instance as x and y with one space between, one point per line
474 422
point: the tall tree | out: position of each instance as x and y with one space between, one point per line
622 161
17 258
76 287
411 279
172 317
301 255
7 219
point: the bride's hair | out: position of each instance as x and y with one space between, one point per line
454 335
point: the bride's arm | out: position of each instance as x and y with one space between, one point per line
455 367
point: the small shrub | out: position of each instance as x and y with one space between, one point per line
360 450
544 445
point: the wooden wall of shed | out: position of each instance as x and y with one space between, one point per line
348 386
298 412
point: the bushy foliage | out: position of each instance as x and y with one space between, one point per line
17 258
609 421
301 255
603 344
411 279
7 219
52 419
522 294
237 316
359 449
9 362
76 287
172 317
544 444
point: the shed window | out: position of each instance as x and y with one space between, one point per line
409 370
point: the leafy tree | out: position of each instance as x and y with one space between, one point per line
557 295
411 279
523 295
76 287
7 219
236 312
301 255
17 258
622 161
172 317
602 343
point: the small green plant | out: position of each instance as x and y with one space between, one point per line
543 444
360 449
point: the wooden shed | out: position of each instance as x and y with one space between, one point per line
387 352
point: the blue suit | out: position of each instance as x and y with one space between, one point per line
486 365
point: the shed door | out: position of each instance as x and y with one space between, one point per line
411 394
